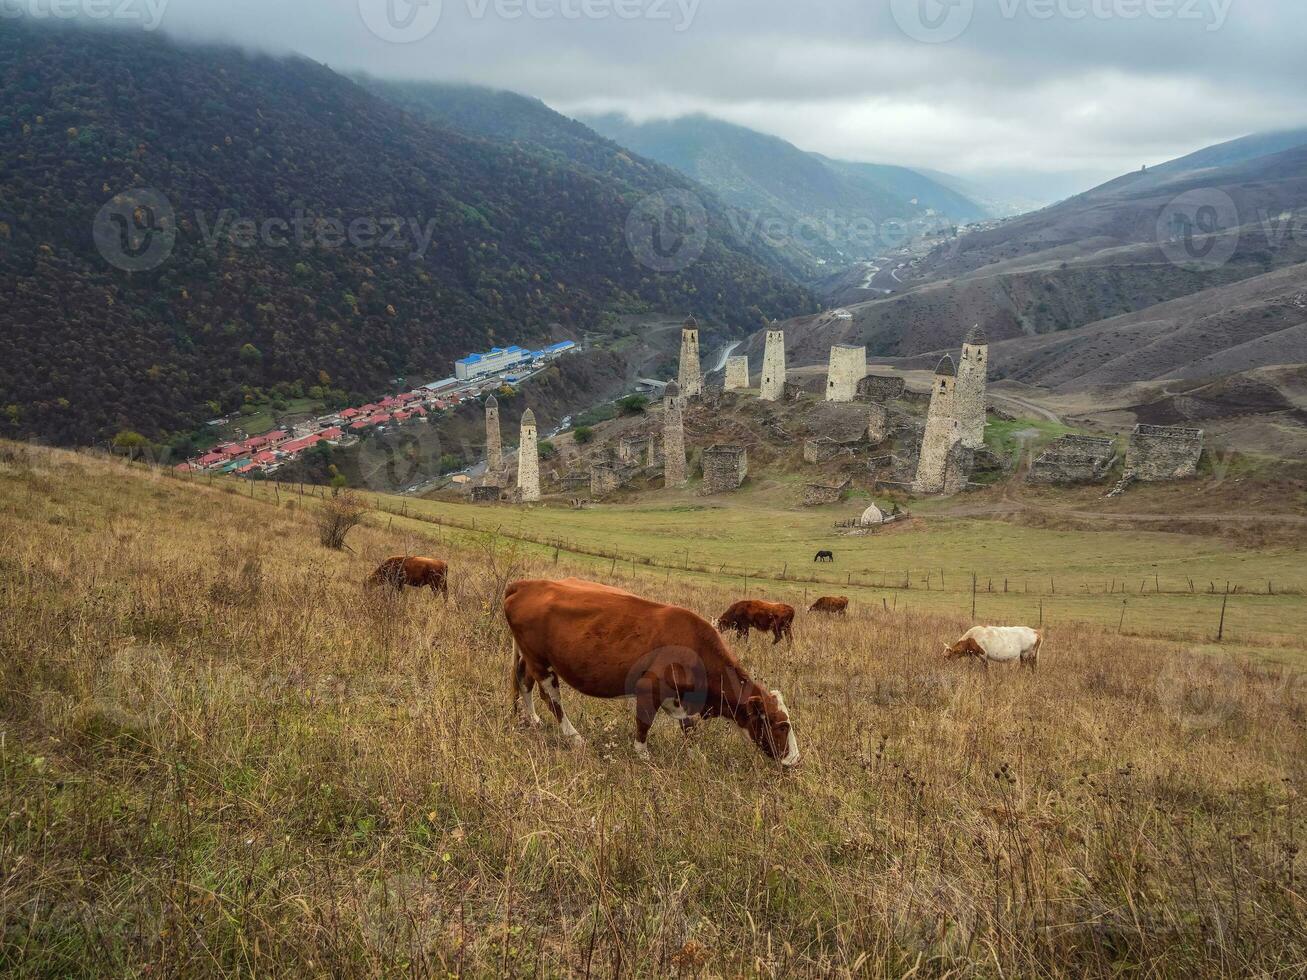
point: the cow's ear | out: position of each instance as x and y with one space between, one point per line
755 706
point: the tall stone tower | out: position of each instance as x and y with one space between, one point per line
848 366
494 443
969 399
691 375
674 469
737 373
773 367
942 431
528 460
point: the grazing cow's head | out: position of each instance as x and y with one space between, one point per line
767 721
965 647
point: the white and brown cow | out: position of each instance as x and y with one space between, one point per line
1001 644
606 643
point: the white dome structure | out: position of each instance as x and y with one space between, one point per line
872 515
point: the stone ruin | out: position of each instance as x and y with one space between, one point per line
724 468
737 373
878 424
877 388
1074 459
575 480
634 450
604 480
820 449
486 494
494 443
793 391
848 366
817 494
1163 452
675 472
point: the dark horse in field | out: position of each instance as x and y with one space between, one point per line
825 556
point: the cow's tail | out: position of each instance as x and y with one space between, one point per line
1039 647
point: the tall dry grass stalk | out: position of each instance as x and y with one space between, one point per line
220 757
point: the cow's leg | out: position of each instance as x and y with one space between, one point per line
647 707
523 683
553 694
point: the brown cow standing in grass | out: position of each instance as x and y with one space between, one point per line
606 643
417 573
834 605
775 618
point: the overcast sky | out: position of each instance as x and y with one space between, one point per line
1062 90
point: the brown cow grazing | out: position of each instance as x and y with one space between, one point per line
417 573
834 605
770 617
606 643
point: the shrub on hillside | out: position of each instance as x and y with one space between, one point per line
338 516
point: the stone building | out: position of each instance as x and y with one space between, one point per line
674 468
494 443
724 468
528 460
969 398
792 391
848 366
633 450
1074 459
817 494
486 494
878 424
690 377
942 431
878 388
737 373
820 449
604 480
1163 452
773 367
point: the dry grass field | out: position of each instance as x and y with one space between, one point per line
221 758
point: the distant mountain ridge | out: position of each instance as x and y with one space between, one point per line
823 204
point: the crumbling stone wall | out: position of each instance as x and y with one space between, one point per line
773 367
724 468
486 494
1074 459
958 465
848 366
630 449
878 424
1163 452
876 388
575 480
942 432
604 480
737 373
793 391
817 494
820 449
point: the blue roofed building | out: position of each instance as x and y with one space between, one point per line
493 361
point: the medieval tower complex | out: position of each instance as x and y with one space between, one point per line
528 460
675 474
690 378
943 431
969 397
773 367
494 443
848 366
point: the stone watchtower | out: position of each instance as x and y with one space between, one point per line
969 399
674 469
773 367
690 377
737 373
942 431
848 366
494 443
528 460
